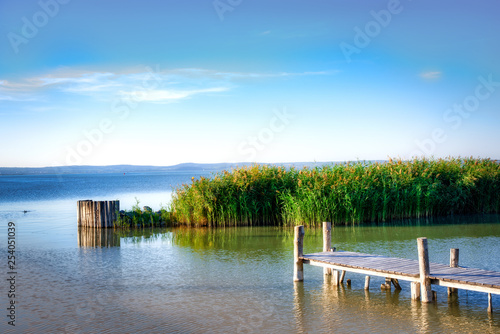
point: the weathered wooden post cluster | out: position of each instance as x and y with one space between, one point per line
97 214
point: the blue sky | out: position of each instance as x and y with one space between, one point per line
166 82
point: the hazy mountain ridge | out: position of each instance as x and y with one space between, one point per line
183 167
140 169
109 169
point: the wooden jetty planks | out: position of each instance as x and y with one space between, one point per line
366 261
481 278
422 274
405 267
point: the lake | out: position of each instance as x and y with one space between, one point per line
180 280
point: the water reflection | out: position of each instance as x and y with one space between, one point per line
98 237
145 236
103 238
453 304
233 238
298 306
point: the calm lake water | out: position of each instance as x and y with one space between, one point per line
227 280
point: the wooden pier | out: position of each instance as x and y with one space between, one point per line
421 273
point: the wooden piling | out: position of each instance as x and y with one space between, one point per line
454 264
424 268
386 285
298 252
454 257
490 305
335 277
415 290
97 214
327 243
367 282
395 282
342 276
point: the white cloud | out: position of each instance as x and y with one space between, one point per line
152 85
17 98
431 75
85 78
250 75
169 95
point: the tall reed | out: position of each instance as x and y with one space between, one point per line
352 192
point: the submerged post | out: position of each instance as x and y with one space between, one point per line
424 268
453 264
395 282
298 252
327 243
386 285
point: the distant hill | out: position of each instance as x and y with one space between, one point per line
141 169
112 169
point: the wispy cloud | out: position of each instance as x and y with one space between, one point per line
169 95
256 75
431 75
7 86
85 78
174 84
17 98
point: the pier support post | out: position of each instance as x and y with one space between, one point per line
327 243
335 277
490 305
395 282
454 264
367 282
424 268
415 290
342 276
298 252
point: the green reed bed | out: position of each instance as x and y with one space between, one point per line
145 217
341 193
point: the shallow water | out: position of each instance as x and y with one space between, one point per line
228 279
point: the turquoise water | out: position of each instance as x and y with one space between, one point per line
219 280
